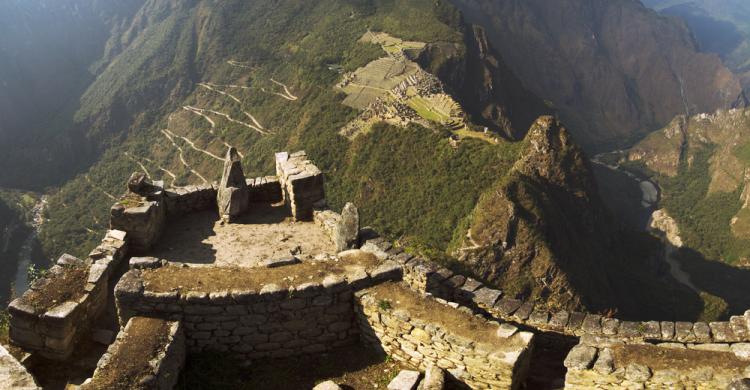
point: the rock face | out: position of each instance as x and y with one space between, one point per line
544 233
614 69
487 89
233 197
662 222
13 375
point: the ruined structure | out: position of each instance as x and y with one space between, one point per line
366 291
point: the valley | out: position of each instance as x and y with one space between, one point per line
419 112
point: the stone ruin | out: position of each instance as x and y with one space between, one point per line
444 325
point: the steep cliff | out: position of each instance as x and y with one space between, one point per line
615 70
488 90
543 232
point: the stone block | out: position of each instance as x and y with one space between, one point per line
486 297
507 306
405 380
581 357
144 263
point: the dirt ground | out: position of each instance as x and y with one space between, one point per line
265 233
142 343
205 279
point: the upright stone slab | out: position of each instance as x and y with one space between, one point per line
348 229
233 196
302 183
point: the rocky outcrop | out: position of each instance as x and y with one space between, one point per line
233 197
13 375
543 233
662 223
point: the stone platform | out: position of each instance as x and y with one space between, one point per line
266 232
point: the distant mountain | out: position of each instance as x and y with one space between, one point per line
720 26
614 69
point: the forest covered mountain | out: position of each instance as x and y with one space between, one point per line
165 86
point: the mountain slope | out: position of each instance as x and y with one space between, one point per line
48 52
720 26
613 69
193 78
543 232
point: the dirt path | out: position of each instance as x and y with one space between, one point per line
286 95
143 167
235 98
213 127
192 145
229 118
182 157
227 94
240 64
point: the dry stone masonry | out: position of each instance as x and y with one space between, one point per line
370 291
302 183
256 321
59 309
148 354
637 366
426 333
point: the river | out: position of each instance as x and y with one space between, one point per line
25 255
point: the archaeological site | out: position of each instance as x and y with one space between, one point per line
259 269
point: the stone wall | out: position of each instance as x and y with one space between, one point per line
622 366
268 322
190 199
265 190
426 339
142 219
302 183
427 276
165 357
54 329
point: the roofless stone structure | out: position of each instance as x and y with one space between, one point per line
216 287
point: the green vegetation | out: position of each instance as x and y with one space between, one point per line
385 305
414 185
742 152
409 182
714 308
424 109
704 219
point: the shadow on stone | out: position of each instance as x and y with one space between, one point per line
183 239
